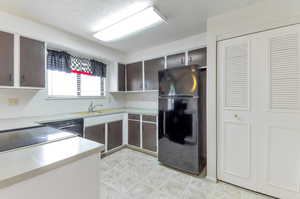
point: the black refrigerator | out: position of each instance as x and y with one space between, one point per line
182 118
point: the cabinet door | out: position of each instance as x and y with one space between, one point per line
151 69
176 60
6 59
134 133
197 57
32 63
121 77
114 134
134 74
149 136
96 133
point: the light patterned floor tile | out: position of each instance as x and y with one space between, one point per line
128 174
140 191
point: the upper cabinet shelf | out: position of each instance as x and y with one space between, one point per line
22 62
142 76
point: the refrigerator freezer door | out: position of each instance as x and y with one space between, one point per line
181 81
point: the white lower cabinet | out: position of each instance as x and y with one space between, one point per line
259 112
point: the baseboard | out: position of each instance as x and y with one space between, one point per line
135 148
113 151
213 179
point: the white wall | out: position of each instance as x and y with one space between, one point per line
265 15
33 103
142 100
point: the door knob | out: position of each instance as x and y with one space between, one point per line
236 116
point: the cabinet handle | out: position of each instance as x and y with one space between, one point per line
10 77
23 78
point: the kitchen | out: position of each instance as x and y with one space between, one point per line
110 91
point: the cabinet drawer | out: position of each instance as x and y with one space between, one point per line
149 118
133 116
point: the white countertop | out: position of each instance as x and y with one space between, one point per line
25 122
23 163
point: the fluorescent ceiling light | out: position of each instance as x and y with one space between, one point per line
136 22
119 14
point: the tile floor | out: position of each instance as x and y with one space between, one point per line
128 174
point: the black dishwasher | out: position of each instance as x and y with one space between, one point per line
73 126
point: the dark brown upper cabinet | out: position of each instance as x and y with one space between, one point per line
95 133
198 57
114 134
149 136
134 133
151 68
32 63
134 73
121 77
176 60
6 59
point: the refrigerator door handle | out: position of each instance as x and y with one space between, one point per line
164 124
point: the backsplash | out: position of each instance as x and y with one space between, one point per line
146 100
35 103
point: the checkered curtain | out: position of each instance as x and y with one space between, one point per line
58 61
62 61
98 68
81 65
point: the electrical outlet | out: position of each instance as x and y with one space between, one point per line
13 101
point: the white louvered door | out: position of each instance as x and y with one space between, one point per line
259 119
235 140
279 113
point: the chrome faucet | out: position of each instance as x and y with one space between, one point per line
92 107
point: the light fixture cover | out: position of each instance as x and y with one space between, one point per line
131 24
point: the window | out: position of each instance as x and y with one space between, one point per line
62 83
72 84
74 76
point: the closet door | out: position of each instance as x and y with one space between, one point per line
236 146
279 113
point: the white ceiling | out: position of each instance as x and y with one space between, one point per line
84 17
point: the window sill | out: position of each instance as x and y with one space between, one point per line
75 97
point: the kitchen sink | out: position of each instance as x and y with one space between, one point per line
95 112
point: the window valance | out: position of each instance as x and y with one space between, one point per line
62 61
58 61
